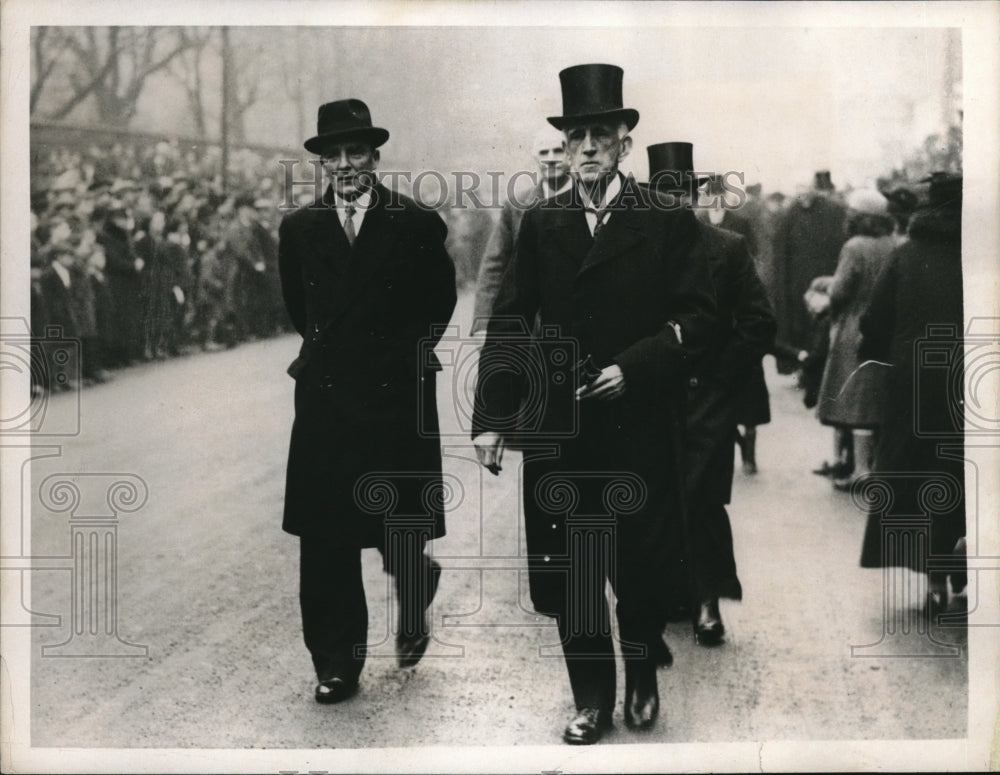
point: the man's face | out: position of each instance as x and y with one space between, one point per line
552 163
350 167
594 150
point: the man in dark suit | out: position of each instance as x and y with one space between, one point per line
365 277
550 154
742 335
609 272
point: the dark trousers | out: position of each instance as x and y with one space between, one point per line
585 623
332 596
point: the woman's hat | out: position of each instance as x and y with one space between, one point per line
593 92
345 120
868 201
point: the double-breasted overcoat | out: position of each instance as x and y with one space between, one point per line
365 400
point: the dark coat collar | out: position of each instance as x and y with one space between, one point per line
622 231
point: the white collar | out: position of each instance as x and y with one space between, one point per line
62 271
361 203
612 191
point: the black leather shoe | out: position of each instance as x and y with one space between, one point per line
642 698
410 648
660 653
708 629
587 726
335 690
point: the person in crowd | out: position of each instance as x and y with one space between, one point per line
610 272
754 405
175 285
124 270
716 397
549 151
276 318
902 202
69 304
850 396
807 245
249 267
366 278
718 207
104 302
922 435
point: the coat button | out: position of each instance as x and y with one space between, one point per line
693 382
546 558
553 525
312 283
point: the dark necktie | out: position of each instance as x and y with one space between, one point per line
349 224
601 215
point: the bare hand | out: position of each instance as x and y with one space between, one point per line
609 386
489 450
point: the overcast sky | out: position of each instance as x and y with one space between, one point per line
776 103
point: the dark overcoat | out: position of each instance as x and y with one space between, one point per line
365 402
922 432
744 333
807 245
71 308
613 298
125 284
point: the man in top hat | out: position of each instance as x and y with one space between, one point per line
549 151
807 245
723 382
608 275
365 279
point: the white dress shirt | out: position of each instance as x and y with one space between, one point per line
591 211
361 205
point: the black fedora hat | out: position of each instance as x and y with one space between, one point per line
345 120
671 167
593 92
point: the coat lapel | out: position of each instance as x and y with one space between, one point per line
354 267
623 229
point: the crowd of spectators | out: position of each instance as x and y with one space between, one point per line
138 253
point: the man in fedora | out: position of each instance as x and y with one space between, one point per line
365 277
726 377
610 272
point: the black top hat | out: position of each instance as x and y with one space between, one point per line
945 190
671 167
593 92
822 181
345 120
